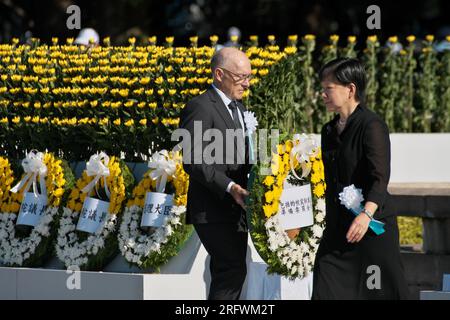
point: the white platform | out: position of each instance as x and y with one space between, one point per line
185 277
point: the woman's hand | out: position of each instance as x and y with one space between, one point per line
358 228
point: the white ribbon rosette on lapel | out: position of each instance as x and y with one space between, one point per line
250 123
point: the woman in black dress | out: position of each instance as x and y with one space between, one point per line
352 261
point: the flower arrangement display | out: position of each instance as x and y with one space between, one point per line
50 178
152 247
108 180
290 253
111 94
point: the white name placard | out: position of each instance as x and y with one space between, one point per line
93 215
296 207
32 209
157 206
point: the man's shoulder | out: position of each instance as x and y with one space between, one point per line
199 104
203 98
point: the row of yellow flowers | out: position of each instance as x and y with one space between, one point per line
91 121
113 88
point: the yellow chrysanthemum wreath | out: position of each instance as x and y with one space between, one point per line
25 247
92 251
295 257
152 250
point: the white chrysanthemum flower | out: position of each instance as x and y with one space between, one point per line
317 231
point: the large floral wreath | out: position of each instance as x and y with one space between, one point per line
93 251
299 161
31 246
153 248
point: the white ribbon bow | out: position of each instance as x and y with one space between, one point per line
305 146
33 165
163 167
97 166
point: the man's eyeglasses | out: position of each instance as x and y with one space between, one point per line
238 78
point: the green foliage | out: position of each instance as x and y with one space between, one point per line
410 229
170 249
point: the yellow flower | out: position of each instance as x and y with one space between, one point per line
144 80
351 39
277 190
269 180
129 123
271 38
143 122
411 38
269 196
234 38
58 192
117 122
372 39
319 190
315 177
214 39
169 40
310 37
293 38
429 38
290 50
268 210
334 38
393 39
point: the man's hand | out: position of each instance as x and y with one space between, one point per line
238 193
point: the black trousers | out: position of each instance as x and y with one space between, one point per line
227 248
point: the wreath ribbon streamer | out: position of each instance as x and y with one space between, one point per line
97 166
33 166
304 147
164 167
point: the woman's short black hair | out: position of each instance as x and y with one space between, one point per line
345 71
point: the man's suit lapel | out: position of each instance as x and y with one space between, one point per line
221 108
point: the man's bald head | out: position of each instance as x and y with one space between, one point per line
231 70
228 58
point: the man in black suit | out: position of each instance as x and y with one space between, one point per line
218 176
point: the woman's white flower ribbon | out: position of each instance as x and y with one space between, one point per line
352 199
163 167
250 123
33 166
97 166
305 146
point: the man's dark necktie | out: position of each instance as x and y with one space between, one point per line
234 111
